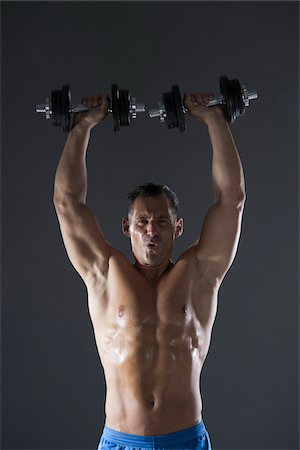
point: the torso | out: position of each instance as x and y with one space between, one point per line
152 340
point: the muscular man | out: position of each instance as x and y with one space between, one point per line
152 320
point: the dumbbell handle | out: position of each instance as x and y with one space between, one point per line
45 108
247 96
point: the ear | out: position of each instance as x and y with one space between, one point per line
178 228
125 226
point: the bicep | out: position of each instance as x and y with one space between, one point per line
85 244
220 235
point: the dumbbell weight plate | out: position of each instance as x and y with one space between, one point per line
174 111
233 104
115 106
232 93
171 118
178 107
67 117
60 106
124 107
228 107
56 108
237 92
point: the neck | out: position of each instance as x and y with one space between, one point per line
153 273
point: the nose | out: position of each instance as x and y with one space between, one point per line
151 229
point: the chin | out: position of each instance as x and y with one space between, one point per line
148 260
153 260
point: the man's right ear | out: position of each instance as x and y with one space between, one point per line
125 226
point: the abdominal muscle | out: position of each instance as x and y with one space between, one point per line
152 372
152 340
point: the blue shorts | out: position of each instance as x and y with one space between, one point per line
194 438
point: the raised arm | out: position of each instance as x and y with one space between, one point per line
221 228
84 241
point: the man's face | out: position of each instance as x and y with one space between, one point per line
152 228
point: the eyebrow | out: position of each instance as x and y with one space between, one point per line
144 216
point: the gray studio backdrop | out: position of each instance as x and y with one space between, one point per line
53 389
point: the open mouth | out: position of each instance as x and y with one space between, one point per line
151 245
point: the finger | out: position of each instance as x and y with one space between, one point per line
87 101
84 101
102 101
208 97
189 100
92 101
196 100
200 98
204 97
96 101
105 102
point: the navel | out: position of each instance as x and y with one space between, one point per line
151 402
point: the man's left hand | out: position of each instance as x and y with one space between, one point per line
196 107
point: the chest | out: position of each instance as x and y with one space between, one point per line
178 301
133 298
135 314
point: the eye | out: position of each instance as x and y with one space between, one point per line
163 221
142 222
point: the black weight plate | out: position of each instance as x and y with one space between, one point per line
56 108
171 116
66 106
228 108
236 87
124 107
233 102
115 106
178 107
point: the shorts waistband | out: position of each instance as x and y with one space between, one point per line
162 440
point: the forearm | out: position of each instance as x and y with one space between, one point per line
227 171
71 174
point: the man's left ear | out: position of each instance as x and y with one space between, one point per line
125 226
179 228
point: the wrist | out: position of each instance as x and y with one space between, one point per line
81 129
215 120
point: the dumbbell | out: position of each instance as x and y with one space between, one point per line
60 108
233 101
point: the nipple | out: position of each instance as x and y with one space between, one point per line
121 311
184 310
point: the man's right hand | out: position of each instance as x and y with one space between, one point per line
91 118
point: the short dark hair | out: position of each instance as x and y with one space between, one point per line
153 190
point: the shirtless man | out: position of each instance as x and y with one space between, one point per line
152 320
